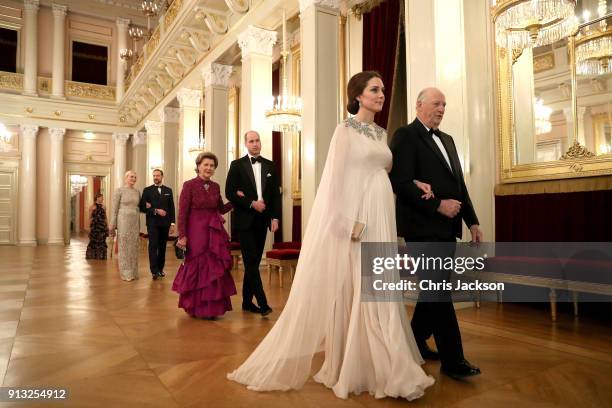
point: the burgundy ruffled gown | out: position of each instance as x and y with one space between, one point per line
204 280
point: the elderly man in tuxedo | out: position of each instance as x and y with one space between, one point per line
253 188
422 152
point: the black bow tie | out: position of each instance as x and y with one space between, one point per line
434 132
255 159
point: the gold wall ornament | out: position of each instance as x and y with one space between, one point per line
44 84
91 116
29 109
90 91
516 54
11 81
364 7
153 42
58 113
576 167
172 12
577 151
122 118
543 62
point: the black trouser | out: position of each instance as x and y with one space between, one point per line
434 312
158 238
252 242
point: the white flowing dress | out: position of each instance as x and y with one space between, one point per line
368 346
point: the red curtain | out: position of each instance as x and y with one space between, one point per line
556 217
381 28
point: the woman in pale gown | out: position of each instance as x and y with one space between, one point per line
369 346
126 219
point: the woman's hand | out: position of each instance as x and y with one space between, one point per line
111 231
182 243
240 194
426 189
148 205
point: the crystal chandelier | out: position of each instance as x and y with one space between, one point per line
77 183
285 112
150 9
5 139
542 117
521 24
594 48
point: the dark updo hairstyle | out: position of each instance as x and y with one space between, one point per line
205 155
355 87
98 194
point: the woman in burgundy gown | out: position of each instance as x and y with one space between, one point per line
204 281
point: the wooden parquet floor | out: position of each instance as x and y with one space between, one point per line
72 323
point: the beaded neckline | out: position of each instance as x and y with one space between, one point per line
371 130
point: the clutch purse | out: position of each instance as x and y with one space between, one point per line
358 230
179 252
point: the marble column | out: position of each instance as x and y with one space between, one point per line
30 71
169 118
57 184
120 159
27 186
155 149
256 46
189 102
320 96
122 43
59 31
139 165
216 89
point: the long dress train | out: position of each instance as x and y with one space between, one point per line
369 346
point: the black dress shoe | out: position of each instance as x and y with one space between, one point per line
460 370
155 276
161 274
251 308
266 311
427 353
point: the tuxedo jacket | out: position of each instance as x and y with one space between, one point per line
241 178
416 156
163 201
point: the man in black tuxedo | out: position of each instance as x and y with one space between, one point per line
157 202
252 186
422 152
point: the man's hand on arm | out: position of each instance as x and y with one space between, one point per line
449 208
258 206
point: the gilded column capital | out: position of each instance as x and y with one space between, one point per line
121 138
59 11
29 131
217 74
139 138
153 127
57 134
168 114
333 4
256 40
123 23
189 98
30 5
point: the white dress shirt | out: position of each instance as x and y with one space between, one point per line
257 172
440 146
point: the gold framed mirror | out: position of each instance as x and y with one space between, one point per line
554 89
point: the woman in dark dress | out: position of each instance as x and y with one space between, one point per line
98 230
204 281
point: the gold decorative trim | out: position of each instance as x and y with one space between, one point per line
44 85
153 42
543 62
90 91
365 7
172 12
516 54
577 151
11 81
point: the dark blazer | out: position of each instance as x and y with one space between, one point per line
241 178
163 201
417 157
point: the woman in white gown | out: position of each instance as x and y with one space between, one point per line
369 346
